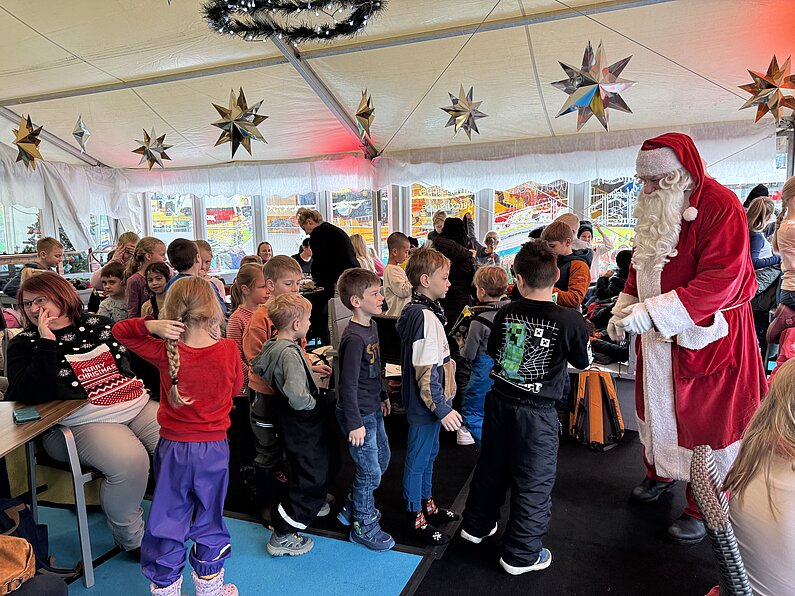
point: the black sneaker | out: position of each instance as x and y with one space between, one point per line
426 533
437 515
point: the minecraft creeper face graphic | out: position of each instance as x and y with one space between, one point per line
540 337
515 338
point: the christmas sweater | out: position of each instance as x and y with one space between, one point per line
84 361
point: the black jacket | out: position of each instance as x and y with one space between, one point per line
462 270
564 264
332 253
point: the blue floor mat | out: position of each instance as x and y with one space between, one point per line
332 567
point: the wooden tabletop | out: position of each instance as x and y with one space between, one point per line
13 435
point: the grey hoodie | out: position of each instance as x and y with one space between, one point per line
282 363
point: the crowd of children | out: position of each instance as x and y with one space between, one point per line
515 352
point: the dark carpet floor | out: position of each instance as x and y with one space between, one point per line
600 543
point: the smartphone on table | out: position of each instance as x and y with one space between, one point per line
24 415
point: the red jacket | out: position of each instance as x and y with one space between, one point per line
209 376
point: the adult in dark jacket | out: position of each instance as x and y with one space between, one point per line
452 243
332 253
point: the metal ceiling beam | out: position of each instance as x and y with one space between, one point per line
146 81
325 95
513 22
44 135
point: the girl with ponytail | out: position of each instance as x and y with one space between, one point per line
199 375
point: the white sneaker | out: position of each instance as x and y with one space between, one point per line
464 437
324 510
544 560
474 539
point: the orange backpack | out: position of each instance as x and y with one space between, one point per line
17 563
596 420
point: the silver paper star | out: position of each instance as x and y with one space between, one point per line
27 141
81 133
766 90
594 88
239 122
365 114
153 149
464 112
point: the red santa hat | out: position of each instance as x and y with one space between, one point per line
673 151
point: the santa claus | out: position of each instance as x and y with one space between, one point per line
699 375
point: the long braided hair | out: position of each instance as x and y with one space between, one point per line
193 301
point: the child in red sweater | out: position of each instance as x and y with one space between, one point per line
191 462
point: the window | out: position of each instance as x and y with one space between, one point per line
383 218
353 212
427 200
73 261
282 229
230 230
519 210
172 217
19 229
612 204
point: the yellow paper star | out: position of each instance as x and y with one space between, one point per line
365 114
239 123
594 88
766 89
464 112
27 141
153 149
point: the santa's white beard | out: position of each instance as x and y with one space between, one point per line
659 221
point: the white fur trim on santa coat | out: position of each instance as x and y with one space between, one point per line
697 337
668 313
656 162
690 214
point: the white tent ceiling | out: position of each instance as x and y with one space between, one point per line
57 55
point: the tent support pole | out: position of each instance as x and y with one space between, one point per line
325 95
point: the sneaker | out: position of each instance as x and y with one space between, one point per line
474 539
293 545
324 510
371 536
345 516
544 560
464 437
425 532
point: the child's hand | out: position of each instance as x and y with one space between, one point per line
386 407
321 369
356 437
165 328
452 421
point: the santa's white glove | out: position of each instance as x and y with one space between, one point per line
614 329
638 320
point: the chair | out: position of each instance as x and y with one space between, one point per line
80 477
339 316
714 508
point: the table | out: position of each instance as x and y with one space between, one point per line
14 435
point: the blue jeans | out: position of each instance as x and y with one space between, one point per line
474 397
370 461
421 451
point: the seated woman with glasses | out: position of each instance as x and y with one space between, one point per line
65 354
487 255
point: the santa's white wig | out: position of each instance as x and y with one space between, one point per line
659 217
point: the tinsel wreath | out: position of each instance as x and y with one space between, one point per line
261 19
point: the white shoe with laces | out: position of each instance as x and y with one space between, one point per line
464 437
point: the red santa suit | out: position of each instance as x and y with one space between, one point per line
699 375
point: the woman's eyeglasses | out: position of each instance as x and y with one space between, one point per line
40 301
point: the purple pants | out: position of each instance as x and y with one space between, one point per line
188 504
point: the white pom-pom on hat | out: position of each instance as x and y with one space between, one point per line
690 214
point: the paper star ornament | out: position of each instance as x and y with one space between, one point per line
153 149
81 133
365 114
766 89
239 122
464 112
594 88
27 141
